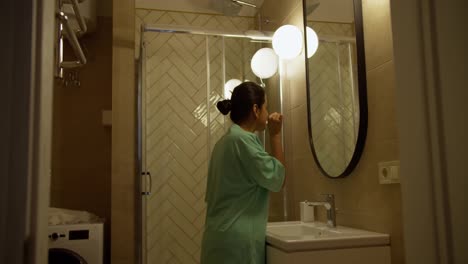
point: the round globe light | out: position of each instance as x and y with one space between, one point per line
264 63
312 42
229 87
287 42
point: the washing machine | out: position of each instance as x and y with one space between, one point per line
76 243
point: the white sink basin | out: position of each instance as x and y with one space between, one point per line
298 236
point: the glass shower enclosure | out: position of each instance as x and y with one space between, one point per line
334 101
182 72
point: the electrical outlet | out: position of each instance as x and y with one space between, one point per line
389 172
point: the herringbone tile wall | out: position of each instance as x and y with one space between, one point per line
334 102
182 124
162 17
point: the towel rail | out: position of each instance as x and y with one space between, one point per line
79 17
64 29
64 25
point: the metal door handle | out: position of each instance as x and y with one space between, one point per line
147 173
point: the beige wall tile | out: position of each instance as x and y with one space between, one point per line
287 132
361 201
122 261
123 133
276 207
300 140
296 16
381 102
123 235
295 78
377 32
295 68
288 150
278 11
123 197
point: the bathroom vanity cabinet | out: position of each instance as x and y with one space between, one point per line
301 243
366 255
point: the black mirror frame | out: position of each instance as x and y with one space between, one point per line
362 88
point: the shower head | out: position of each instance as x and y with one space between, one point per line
226 7
237 7
244 3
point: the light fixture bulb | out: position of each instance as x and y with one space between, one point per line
264 63
287 42
312 42
229 87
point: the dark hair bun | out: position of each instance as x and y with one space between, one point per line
224 106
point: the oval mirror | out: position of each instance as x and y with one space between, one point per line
336 84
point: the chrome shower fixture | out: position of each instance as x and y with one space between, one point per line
244 3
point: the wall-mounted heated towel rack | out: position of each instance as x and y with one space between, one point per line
64 30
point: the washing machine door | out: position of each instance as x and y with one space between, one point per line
64 256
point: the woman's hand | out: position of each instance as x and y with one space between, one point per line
275 121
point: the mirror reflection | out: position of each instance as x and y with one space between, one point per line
336 83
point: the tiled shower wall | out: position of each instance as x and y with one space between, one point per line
181 124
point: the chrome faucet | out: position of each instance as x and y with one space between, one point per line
329 204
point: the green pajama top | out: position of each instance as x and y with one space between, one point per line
241 174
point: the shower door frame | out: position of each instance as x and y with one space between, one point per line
143 175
